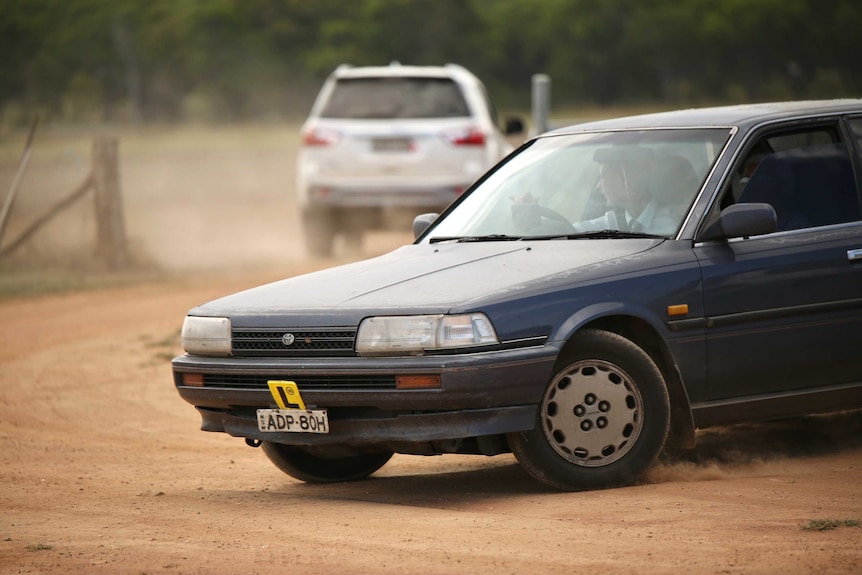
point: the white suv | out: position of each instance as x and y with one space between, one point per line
390 141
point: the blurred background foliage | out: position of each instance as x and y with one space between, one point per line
259 60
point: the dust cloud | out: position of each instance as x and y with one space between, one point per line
195 199
762 449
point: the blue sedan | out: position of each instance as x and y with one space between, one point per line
598 296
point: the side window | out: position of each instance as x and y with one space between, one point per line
806 175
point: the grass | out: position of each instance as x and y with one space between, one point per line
54 142
829 524
167 341
40 547
166 348
16 283
57 142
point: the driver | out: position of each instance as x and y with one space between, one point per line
624 181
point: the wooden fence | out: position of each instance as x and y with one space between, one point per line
104 181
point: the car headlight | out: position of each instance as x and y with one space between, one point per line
206 335
415 334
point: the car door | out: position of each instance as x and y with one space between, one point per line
784 310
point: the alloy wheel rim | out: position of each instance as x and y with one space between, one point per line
592 413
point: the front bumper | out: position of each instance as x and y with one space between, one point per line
480 394
392 429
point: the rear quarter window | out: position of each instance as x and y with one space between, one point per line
856 126
395 98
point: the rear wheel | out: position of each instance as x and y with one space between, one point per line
319 226
603 419
304 466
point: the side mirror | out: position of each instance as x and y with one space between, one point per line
422 222
514 125
742 221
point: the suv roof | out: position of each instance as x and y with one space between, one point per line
396 69
452 73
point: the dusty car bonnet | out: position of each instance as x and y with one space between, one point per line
431 278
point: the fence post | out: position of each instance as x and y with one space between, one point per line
110 226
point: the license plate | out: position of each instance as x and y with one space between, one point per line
293 420
392 144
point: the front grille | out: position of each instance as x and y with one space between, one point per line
302 342
305 383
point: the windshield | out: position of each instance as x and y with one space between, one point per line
610 184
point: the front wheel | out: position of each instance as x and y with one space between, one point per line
603 420
301 465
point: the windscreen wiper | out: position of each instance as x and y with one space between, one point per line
488 238
600 234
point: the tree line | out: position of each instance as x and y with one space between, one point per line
168 60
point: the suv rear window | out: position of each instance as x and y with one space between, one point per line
392 98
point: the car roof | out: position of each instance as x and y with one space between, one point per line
397 70
742 116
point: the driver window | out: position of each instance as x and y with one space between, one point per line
805 175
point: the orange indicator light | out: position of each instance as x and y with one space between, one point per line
417 382
681 309
193 379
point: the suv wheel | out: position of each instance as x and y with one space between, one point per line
319 226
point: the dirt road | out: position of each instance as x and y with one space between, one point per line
103 468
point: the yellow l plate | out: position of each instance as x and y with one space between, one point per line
286 394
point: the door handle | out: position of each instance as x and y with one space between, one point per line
854 255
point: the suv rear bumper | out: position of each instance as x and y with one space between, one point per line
376 195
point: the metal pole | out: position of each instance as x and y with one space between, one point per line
541 96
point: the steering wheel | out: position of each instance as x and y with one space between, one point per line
539 220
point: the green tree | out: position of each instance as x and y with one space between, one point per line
156 60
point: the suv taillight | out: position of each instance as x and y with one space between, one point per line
471 136
320 137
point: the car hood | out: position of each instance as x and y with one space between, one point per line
424 278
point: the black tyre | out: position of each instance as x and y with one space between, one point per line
301 465
603 420
319 226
